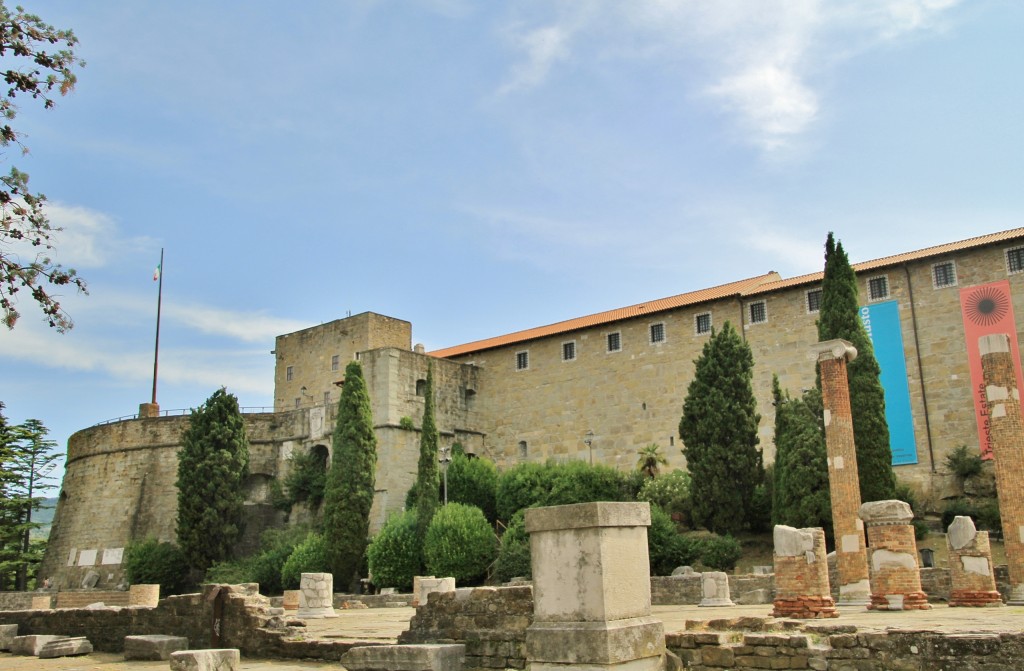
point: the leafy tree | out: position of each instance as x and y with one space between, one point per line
427 485
650 460
473 481
801 487
719 433
348 495
36 70
26 461
213 464
840 318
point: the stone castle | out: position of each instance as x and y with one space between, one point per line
596 388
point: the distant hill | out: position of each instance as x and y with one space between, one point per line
44 516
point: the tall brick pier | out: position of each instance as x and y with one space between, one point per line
1007 439
844 483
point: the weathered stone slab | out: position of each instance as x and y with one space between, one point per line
31 645
448 657
218 659
66 647
153 647
7 634
144 595
603 643
427 585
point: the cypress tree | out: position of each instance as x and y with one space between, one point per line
801 489
348 492
840 318
213 464
428 488
719 433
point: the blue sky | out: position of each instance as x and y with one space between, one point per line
479 168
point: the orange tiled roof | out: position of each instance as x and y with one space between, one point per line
749 287
691 298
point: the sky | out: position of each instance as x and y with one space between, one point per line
477 168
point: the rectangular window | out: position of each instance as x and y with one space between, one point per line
569 350
1015 260
522 360
944 274
298 401
702 323
814 300
335 362
878 288
614 342
657 333
288 372
327 398
758 312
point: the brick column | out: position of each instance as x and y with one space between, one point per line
892 551
801 574
844 483
1007 433
970 565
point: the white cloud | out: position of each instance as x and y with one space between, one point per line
544 47
89 239
772 103
243 326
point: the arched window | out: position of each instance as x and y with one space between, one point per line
421 387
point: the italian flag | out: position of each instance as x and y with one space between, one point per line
156 273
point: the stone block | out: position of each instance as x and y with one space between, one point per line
683 571
43 602
961 532
153 646
66 647
427 585
144 595
7 634
316 596
444 657
715 589
222 659
290 600
886 512
31 645
581 643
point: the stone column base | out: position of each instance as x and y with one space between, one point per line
631 644
967 597
805 607
912 601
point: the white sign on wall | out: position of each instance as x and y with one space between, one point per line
112 556
87 558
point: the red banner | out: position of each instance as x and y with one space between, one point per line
987 309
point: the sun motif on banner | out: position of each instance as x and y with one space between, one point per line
986 307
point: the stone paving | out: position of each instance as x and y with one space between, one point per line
381 625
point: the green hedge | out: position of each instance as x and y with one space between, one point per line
309 556
459 543
529 484
151 562
394 557
514 553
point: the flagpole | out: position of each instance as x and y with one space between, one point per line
159 299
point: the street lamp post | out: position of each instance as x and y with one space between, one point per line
445 460
588 440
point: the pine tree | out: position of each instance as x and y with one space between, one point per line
840 318
428 488
348 494
213 464
719 433
800 496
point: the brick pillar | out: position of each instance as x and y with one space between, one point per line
801 574
892 551
970 565
1007 433
844 483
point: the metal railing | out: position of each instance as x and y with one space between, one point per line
181 411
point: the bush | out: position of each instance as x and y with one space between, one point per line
459 543
720 552
307 475
473 482
522 486
309 556
957 507
666 549
514 554
528 484
151 562
989 517
964 462
265 566
394 556
670 492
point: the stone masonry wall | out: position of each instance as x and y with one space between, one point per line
686 589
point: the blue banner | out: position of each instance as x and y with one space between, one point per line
882 322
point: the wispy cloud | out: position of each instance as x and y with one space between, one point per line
90 239
542 48
243 326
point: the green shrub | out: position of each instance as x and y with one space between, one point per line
529 484
151 562
989 517
309 556
670 492
720 552
514 554
666 548
307 475
459 543
233 572
522 486
264 567
473 481
406 423
964 462
957 507
394 557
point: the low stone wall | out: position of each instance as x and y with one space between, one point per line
375 600
17 600
843 648
81 599
686 589
490 621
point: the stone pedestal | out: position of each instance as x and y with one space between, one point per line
892 552
316 596
149 410
714 586
973 582
144 595
592 589
424 585
843 479
1007 440
801 574
290 599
